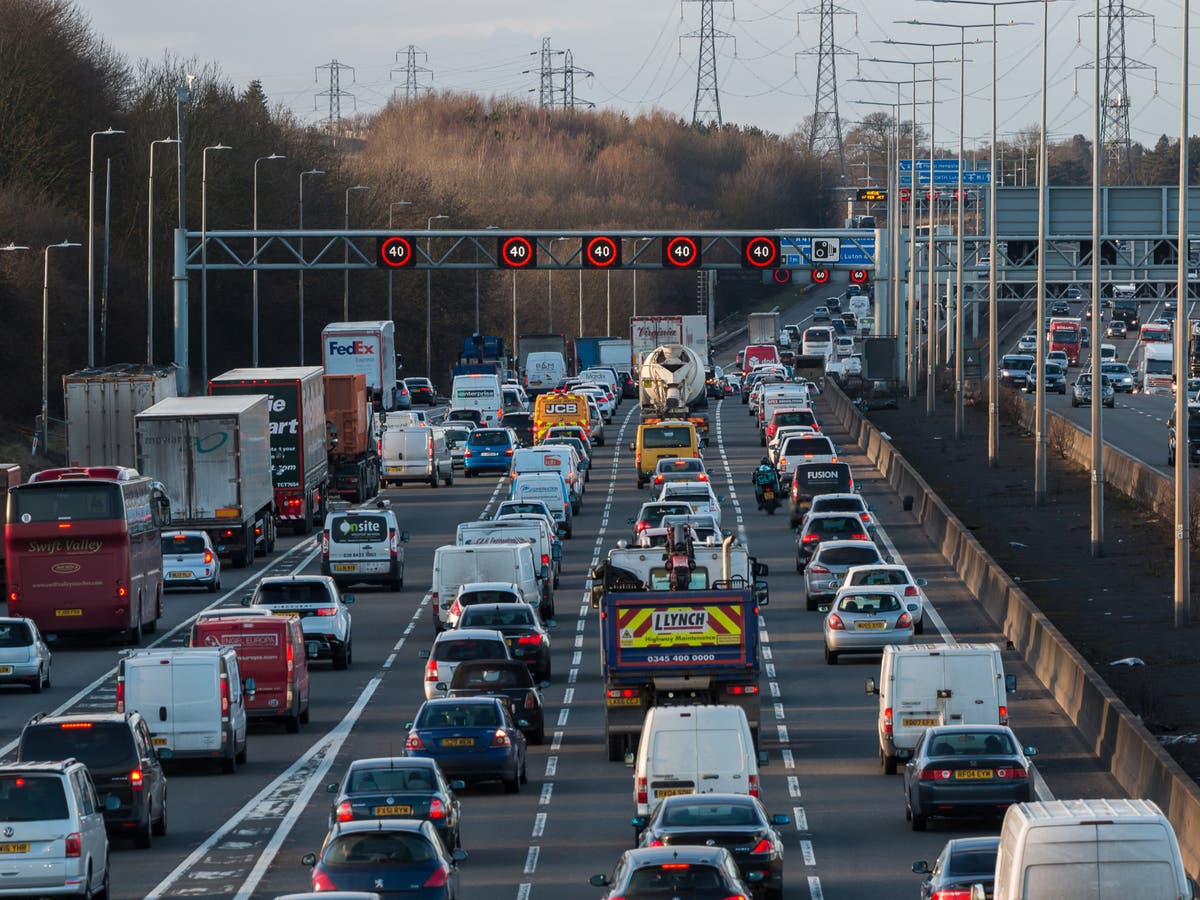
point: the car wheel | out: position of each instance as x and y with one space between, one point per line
229 764
433 478
48 669
831 656
773 893
35 686
241 755
141 837
918 822
135 634
213 586
616 747
292 724
810 602
513 785
525 771
570 531
919 627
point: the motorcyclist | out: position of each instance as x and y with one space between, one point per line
765 478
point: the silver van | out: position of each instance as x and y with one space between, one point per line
364 545
415 453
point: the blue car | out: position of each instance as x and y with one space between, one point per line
472 738
387 856
488 450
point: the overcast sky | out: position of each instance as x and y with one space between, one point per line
642 59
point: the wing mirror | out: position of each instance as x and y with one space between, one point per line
404 536
331 788
872 686
823 608
762 594
780 819
1010 684
596 880
246 600
920 867
308 859
423 654
458 785
312 649
458 854
921 582
442 686
348 599
249 687
1031 751
763 759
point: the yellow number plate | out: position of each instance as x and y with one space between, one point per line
14 848
918 723
66 613
862 626
181 574
624 701
671 792
159 742
5 670
458 742
345 567
972 774
393 811
394 470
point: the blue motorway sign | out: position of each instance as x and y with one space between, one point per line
973 176
939 165
796 252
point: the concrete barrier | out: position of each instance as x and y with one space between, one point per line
1131 753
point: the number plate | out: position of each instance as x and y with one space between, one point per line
862 626
345 567
181 574
671 792
159 742
918 723
392 811
5 670
624 701
768 495
972 774
394 470
14 848
68 613
458 742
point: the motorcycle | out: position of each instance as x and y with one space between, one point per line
766 492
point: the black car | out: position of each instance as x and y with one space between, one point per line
120 756
522 424
421 390
527 638
393 857
505 678
629 386
1060 308
966 770
833 304
821 527
812 479
736 822
398 787
659 873
962 863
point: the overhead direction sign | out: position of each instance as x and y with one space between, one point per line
395 252
939 165
970 176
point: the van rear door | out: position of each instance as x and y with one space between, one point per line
722 757
672 764
975 688
915 682
261 646
196 704
147 686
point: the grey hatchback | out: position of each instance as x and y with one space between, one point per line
825 569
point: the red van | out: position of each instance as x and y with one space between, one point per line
270 650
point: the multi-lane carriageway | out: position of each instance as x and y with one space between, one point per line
243 835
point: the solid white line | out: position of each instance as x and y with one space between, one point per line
1040 788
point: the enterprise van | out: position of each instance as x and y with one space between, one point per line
480 392
922 685
193 700
693 750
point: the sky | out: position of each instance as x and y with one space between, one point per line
641 56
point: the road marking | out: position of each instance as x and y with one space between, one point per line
547 792
814 888
556 741
800 818
793 784
1040 788
539 825
569 696
563 714
572 676
774 687
523 890
806 851
789 761
531 860
551 766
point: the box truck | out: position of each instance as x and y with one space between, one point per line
366 347
100 405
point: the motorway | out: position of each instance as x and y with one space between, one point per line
242 835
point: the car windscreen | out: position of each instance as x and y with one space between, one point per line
963 863
379 849
849 556
463 649
680 465
470 598
654 514
706 815
1017 363
807 446
392 778
1114 369
15 634
1193 428
359 529
98 745
511 616
481 677
286 593
458 715
182 543
32 798
868 603
655 438
880 576
838 504
669 879
457 435
971 743
834 526
488 438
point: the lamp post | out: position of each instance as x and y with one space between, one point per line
346 255
391 208
204 259
150 252
300 316
92 242
429 296
254 263
46 336
1183 523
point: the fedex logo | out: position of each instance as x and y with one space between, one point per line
353 348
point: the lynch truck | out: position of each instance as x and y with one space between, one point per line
101 404
666 647
762 328
299 453
648 332
366 347
671 386
353 448
213 456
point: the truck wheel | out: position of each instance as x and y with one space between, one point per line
229 764
135 633
600 441
248 547
616 747
271 532
292 724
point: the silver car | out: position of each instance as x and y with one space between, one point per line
828 565
865 620
24 656
189 560
1081 391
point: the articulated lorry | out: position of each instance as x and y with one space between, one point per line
762 327
353 447
366 347
648 332
101 405
213 457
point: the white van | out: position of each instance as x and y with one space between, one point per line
860 306
415 453
559 458
364 545
817 341
1088 850
454 566
921 685
481 392
545 371
192 698
693 750
536 531
551 488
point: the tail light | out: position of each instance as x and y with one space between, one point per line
467 453
836 623
763 846
508 452
658 479
120 695
344 813
753 786
781 462
500 739
957 893
810 538
739 689
224 696
325 545
414 742
859 536
1004 715
818 568
393 544
327 611
623 693
643 795
208 557
322 882
436 809
936 775
136 781
910 591
529 702
1011 772
456 608
434 599
530 640
702 477
655 843
905 621
431 670
641 526
291 658
438 878
74 845
887 721
866 517
545 559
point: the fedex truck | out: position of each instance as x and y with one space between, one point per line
348 348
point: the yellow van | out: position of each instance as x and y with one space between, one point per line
558 409
662 440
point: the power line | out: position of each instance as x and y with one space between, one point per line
706 109
412 73
335 92
825 136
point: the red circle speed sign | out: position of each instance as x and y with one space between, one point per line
602 252
681 252
820 276
760 252
905 195
782 276
858 276
517 252
396 252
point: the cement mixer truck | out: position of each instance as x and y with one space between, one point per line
672 387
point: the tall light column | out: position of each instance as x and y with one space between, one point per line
204 260
429 296
91 242
1097 375
46 339
391 208
254 263
300 310
1183 522
150 252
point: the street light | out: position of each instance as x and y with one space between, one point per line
1183 522
302 261
204 259
346 255
391 272
429 296
92 242
254 263
150 253
46 335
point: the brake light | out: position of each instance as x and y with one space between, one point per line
656 843
936 775
326 611
641 526
782 462
436 810
344 812
642 794
742 689
325 545
438 878
72 725
456 608
836 623
120 695
763 846
905 621
291 654
866 517
393 544
500 739
658 479
530 639
809 538
208 557
136 782
1004 715
818 568
224 696
910 591
74 845
624 693
1011 772
322 882
951 894
858 536
887 721
431 670
508 452
414 742
753 785
702 477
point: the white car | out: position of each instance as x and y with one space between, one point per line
899 577
803 449
841 503
1027 343
481 592
843 345
696 494
459 645
785 432
602 397
322 609
189 559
